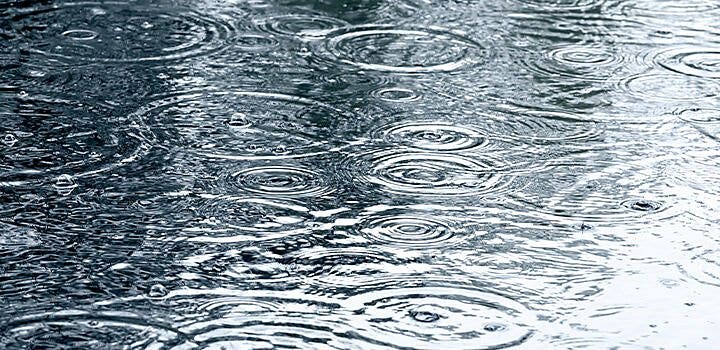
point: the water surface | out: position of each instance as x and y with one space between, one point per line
339 174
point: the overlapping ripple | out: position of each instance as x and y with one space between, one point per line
692 61
45 137
303 26
83 329
430 174
429 135
667 87
441 318
283 181
119 32
401 50
227 219
587 62
626 193
241 125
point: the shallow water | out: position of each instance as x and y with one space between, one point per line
411 174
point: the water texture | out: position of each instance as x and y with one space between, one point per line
359 174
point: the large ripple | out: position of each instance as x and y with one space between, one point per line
119 32
241 125
441 318
82 329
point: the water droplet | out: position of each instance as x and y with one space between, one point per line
65 184
9 140
421 315
493 327
157 291
642 205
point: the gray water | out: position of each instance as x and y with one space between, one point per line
339 174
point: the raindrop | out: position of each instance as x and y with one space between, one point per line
424 313
9 140
157 291
642 205
65 184
494 327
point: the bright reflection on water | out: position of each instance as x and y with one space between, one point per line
359 174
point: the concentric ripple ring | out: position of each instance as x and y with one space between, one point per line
402 50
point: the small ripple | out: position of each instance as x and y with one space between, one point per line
82 329
409 231
283 181
121 32
584 62
396 94
242 125
430 174
255 42
430 135
306 27
670 87
416 229
401 50
53 137
441 318
692 61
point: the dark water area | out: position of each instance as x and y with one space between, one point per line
398 174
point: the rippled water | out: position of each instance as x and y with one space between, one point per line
359 174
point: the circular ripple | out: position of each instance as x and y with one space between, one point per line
670 87
433 136
255 42
585 62
308 27
86 330
53 137
281 181
241 125
119 32
422 230
698 62
431 174
402 50
700 115
441 318
396 94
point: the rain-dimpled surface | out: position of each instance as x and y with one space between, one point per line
359 174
